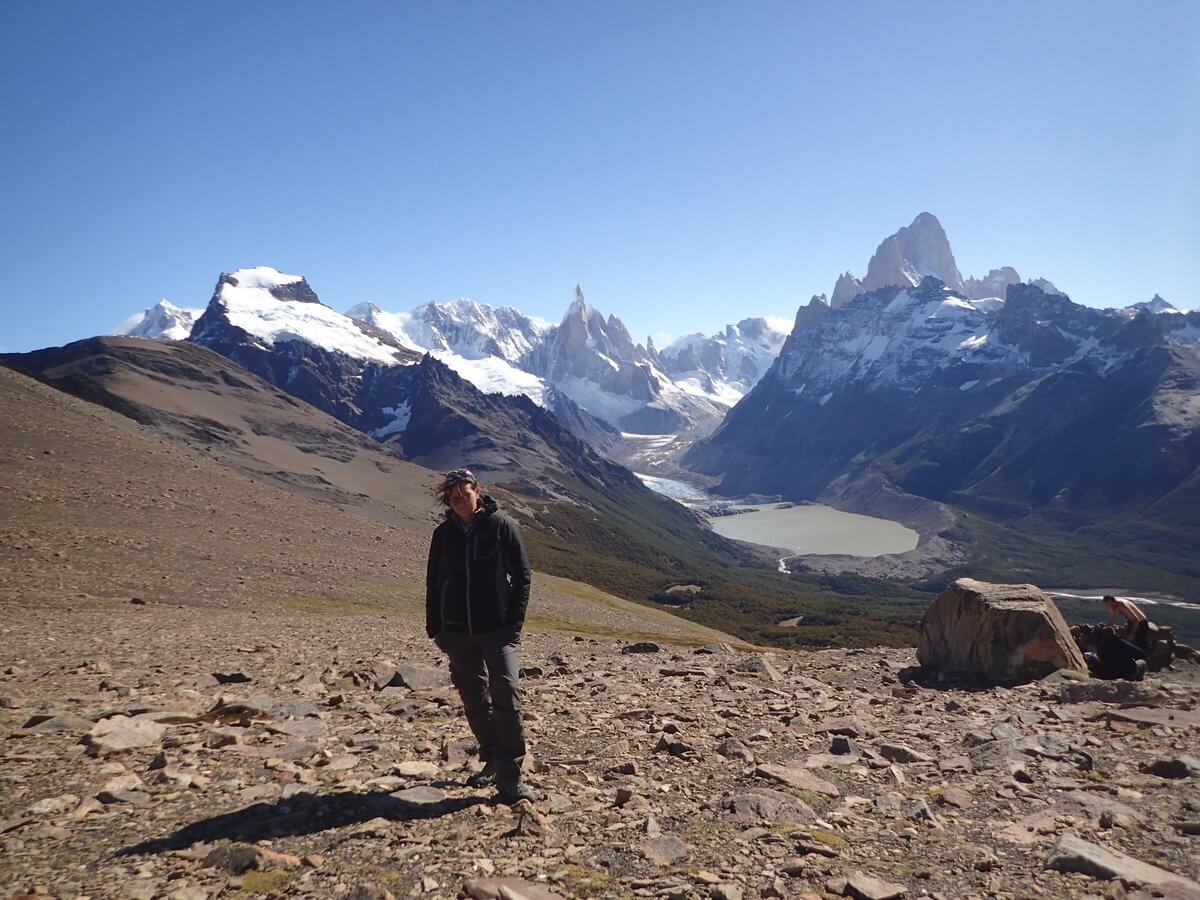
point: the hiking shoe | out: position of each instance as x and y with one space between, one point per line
514 793
485 777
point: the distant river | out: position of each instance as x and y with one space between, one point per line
815 529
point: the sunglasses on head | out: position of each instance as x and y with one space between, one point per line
461 475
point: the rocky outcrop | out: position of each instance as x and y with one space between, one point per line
912 253
1003 633
846 289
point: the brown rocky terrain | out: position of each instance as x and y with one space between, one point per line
210 686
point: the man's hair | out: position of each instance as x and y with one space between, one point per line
1109 598
451 480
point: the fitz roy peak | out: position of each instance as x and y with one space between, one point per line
917 251
1006 409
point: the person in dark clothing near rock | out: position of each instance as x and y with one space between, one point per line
476 594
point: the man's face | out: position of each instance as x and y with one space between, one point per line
464 498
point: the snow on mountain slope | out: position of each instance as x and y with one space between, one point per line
273 307
162 321
725 366
463 327
481 344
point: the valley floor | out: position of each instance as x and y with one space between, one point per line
677 772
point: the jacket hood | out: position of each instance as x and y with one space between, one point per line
487 506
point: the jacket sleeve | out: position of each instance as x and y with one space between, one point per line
518 569
433 612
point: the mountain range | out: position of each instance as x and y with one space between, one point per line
911 389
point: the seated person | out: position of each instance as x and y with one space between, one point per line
1137 626
1117 658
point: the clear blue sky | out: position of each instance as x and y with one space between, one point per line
688 163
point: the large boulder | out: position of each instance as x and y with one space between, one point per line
1005 633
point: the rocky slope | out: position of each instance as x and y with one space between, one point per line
189 751
211 685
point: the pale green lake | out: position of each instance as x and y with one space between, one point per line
816 529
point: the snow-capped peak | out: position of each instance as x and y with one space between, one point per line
273 307
162 321
263 277
1156 305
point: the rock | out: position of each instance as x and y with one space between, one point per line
231 677
726 891
116 790
732 748
413 768
1073 854
1002 633
865 887
421 796
508 889
798 777
673 746
898 753
52 806
343 763
1176 767
59 724
642 647
120 733
714 649
665 850
235 859
844 746
416 678
759 664
297 728
245 709
368 891
766 805
1141 715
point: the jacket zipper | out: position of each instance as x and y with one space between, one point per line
470 627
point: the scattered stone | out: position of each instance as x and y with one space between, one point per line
1174 767
120 733
52 806
508 889
798 777
58 724
642 647
759 664
415 678
865 887
844 746
231 677
726 891
414 768
732 748
898 753
766 805
423 796
665 850
236 859
1073 854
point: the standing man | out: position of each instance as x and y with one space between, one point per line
476 593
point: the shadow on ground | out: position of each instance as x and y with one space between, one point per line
301 814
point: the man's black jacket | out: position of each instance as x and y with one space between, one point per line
478 578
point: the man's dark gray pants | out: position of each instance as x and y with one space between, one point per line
485 669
